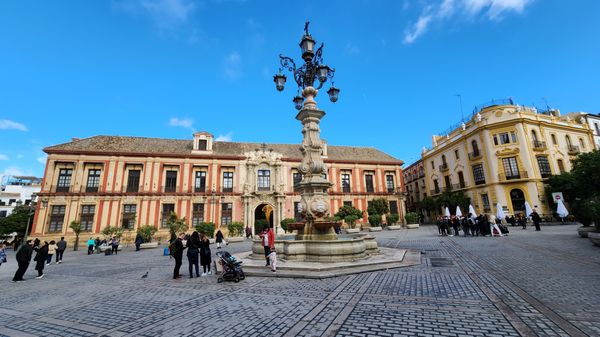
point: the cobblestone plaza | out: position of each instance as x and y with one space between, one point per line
529 283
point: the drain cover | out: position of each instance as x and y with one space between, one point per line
441 262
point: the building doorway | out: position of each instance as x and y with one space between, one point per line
263 216
518 200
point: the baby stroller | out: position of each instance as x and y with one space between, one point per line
232 268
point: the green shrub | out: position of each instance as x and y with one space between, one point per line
110 231
285 222
411 218
206 228
378 206
349 214
392 218
261 224
375 220
235 228
146 232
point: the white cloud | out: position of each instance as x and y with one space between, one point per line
41 160
181 122
224 138
7 124
440 11
233 66
166 14
3 157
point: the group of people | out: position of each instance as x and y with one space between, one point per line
481 225
198 253
43 257
94 244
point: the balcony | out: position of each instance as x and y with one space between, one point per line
63 188
539 145
574 150
514 176
474 155
434 192
443 167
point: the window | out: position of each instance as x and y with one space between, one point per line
133 181
167 209
432 165
561 166
3 214
64 180
513 137
534 136
93 181
544 166
202 144
347 203
226 213
582 143
369 183
200 181
568 140
393 207
171 181
297 177
597 129
456 154
444 160
478 175
297 210
264 180
197 214
553 136
448 183
505 138
389 183
436 186
87 217
57 217
495 140
511 169
346 182
129 212
485 201
227 181
461 179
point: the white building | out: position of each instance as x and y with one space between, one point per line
594 123
15 190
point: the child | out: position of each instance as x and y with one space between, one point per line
2 253
273 260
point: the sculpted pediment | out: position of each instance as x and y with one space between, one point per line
507 151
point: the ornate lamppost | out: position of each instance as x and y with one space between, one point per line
313 187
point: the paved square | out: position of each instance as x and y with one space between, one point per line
529 283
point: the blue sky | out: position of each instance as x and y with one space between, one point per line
166 68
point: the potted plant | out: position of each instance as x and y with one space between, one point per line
285 222
377 208
236 231
108 233
147 233
412 220
206 228
76 227
392 222
375 222
350 215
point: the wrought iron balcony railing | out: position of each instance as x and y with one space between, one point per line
513 175
539 145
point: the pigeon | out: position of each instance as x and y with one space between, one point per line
145 275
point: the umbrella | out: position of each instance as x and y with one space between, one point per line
528 209
472 210
499 211
458 212
561 209
447 212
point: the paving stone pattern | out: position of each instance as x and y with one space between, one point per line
529 283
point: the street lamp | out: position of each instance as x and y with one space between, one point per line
31 212
313 70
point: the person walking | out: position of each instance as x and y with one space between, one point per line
219 239
268 242
61 246
205 255
40 259
23 258
177 253
193 244
114 243
248 232
138 241
535 217
91 243
51 251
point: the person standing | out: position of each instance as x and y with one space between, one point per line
248 232
51 251
114 243
205 255
40 259
61 246
535 217
219 239
177 252
193 244
138 241
23 258
91 243
2 253
268 242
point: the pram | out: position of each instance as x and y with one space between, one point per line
232 268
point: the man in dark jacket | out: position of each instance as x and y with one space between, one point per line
23 259
177 253
61 246
40 259
138 242
535 217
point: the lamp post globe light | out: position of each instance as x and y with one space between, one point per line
310 77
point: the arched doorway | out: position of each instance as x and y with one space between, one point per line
263 215
518 200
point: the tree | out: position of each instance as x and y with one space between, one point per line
176 225
146 232
429 204
452 199
378 206
76 227
349 214
16 222
235 228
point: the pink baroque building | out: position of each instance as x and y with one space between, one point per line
133 181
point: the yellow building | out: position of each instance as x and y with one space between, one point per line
503 154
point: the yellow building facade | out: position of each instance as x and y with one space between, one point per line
503 154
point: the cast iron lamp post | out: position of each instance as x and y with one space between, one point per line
311 77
